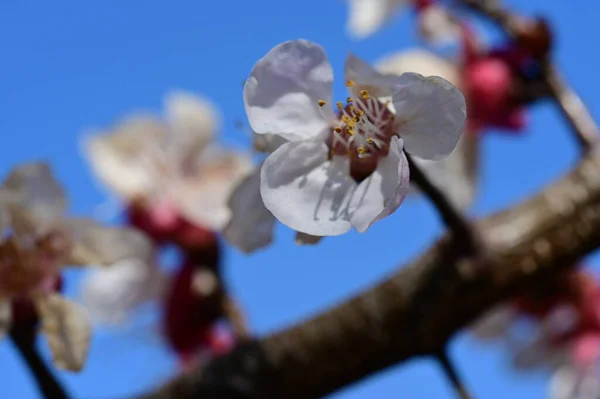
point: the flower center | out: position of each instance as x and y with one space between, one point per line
363 131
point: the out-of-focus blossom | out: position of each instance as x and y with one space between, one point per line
457 174
38 241
110 294
251 225
563 336
348 169
169 167
367 16
575 382
490 79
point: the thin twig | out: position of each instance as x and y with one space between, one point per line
569 103
452 374
236 317
452 217
49 386
573 109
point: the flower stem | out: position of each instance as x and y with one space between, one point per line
49 386
573 109
452 375
453 217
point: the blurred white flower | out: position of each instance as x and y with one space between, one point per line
456 175
367 16
111 294
171 160
436 24
575 382
251 225
38 241
348 169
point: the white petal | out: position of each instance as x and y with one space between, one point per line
127 159
202 196
34 197
421 61
251 225
95 244
5 317
366 16
282 93
193 122
437 26
494 324
111 294
305 191
368 78
67 328
383 191
457 175
431 113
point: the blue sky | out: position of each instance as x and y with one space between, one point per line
72 65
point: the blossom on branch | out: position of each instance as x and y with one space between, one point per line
37 242
344 169
169 168
435 23
563 334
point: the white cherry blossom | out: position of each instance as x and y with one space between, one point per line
170 160
346 168
111 294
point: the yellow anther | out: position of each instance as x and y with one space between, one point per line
361 112
346 118
361 150
322 102
339 105
356 119
350 131
350 83
369 140
337 129
349 100
352 109
364 94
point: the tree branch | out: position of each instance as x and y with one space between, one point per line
24 341
385 325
